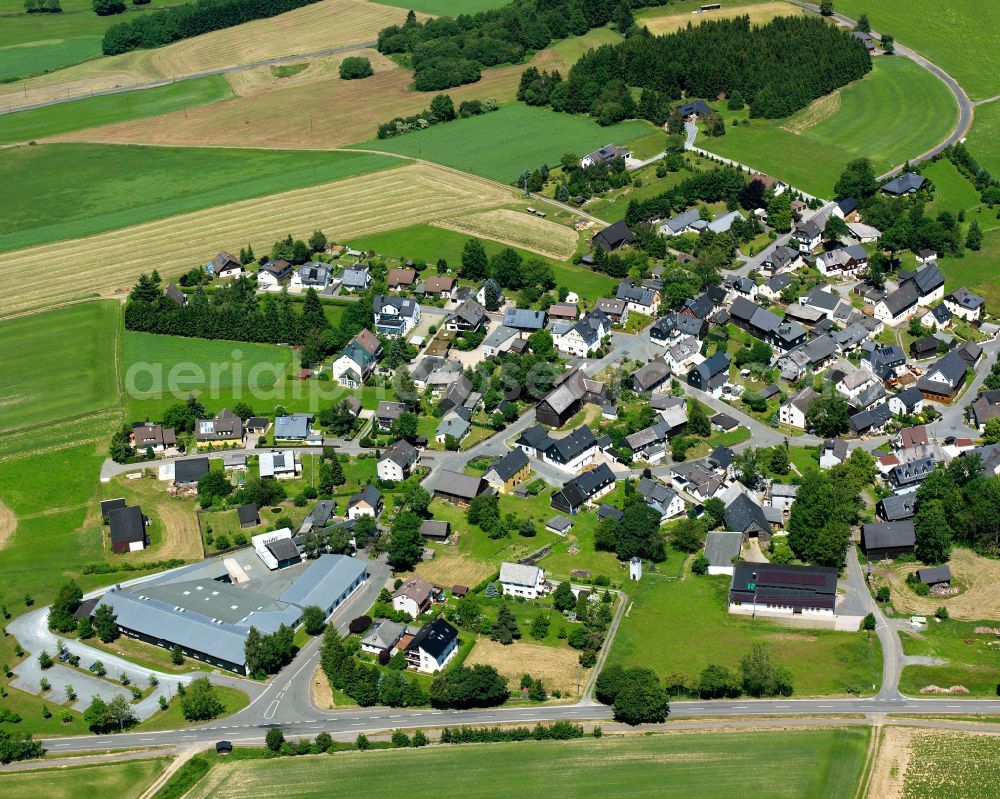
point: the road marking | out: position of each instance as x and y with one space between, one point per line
739 707
271 710
824 705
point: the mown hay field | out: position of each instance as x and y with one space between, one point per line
979 578
812 763
323 25
558 667
518 230
110 262
677 15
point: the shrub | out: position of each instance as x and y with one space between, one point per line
354 67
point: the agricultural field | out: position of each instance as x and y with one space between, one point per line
428 243
572 49
558 667
925 764
978 577
813 763
450 8
109 263
124 780
958 35
984 135
40 383
503 144
116 187
896 112
681 626
970 657
518 229
320 26
675 16
94 111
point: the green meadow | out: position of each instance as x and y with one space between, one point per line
960 36
984 137
806 764
896 112
116 186
40 382
108 109
111 780
502 144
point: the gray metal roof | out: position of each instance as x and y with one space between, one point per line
721 548
327 578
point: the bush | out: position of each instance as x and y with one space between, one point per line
941 613
274 739
869 622
360 624
354 67
882 595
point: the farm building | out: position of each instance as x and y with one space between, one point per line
888 539
772 590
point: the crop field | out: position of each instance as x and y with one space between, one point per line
323 25
117 187
109 263
958 36
820 763
450 8
896 112
124 780
681 626
315 113
678 15
93 111
40 383
503 144
518 230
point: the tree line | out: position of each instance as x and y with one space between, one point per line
957 503
442 109
190 19
448 51
775 69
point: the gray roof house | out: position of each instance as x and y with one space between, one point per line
292 428
907 183
356 278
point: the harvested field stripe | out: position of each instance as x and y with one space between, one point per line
109 263
519 230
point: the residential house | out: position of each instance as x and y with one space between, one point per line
745 516
397 461
395 316
561 525
898 306
225 428
964 304
723 222
694 108
506 473
224 266
570 392
782 496
846 209
490 285
768 589
822 299
273 274
856 382
366 501
524 320
468 317
971 352
907 183
185 472
741 287
297 427
279 465
647 444
128 529
641 299
709 375
584 489
907 402
660 498
499 341
944 379
382 636
175 294
313 275
793 411
570 453
605 155
871 422
456 423
923 348
684 222
614 309
702 306
697 480
443 286
833 453
520 580
873 394
937 318
651 376
613 236
915 470
458 488
433 647
887 539
683 354
772 288
897 507
152 436
356 279
672 410
781 259
886 363
790 334
401 279
353 366
985 407
388 412
843 261
722 550
675 325
928 280
414 597
809 235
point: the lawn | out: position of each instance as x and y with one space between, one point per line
115 186
958 35
23 60
972 661
501 145
172 718
807 763
681 626
983 137
124 780
614 204
40 383
428 243
978 270
896 112
94 111
952 191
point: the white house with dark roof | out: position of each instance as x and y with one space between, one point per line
395 316
793 411
964 304
397 461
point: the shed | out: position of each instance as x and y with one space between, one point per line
934 575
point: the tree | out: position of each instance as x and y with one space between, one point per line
974 236
354 67
176 655
642 699
104 624
252 651
563 598
857 180
17 745
120 713
405 541
991 433
492 296
64 606
214 484
200 701
869 622
404 426
313 619
864 26
748 467
442 108
779 212
933 533
779 460
828 415
505 628
274 739
718 682
888 43
475 264
540 626
466 687
761 676
835 228
105 8
715 508
698 421
826 8
688 535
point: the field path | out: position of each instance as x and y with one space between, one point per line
8 524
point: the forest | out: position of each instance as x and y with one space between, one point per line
190 19
775 69
449 51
